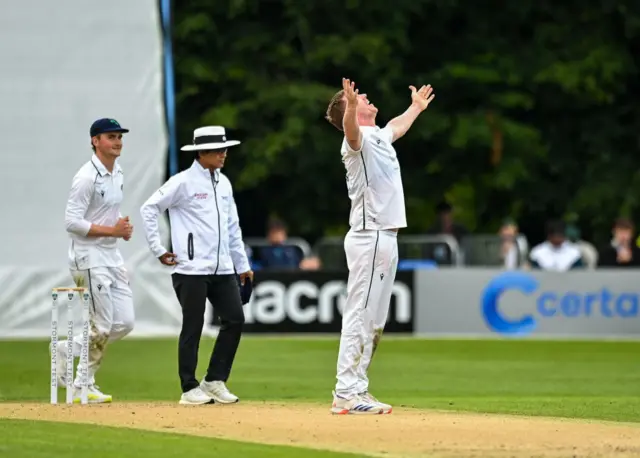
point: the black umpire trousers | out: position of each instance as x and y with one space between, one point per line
223 293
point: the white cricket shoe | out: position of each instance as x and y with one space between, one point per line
61 362
219 392
386 408
357 405
94 395
194 397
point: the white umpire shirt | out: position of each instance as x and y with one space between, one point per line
205 228
374 182
95 198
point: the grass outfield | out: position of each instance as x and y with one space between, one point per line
40 439
599 380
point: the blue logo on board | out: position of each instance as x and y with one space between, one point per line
601 303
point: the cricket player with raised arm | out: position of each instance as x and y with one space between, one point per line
377 214
94 224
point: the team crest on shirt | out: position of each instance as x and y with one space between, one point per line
200 195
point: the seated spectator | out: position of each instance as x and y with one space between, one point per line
557 253
279 255
621 251
509 252
446 224
587 250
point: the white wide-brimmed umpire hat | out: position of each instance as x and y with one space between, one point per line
209 138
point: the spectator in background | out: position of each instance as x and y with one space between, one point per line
279 255
587 250
621 251
509 252
557 253
446 224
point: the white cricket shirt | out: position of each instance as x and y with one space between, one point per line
205 228
95 198
374 182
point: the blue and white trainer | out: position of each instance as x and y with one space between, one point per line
386 408
354 406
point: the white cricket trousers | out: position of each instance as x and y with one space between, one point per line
372 259
111 312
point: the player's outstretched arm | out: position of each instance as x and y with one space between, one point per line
79 198
350 120
420 100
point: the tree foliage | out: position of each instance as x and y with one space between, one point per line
535 114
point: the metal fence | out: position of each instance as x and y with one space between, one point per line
414 251
484 250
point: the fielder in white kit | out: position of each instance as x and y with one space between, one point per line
377 214
94 224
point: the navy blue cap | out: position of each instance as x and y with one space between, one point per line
104 125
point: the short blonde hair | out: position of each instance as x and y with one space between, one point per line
335 111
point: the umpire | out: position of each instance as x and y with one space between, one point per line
208 254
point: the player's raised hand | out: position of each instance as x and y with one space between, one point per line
350 92
423 97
